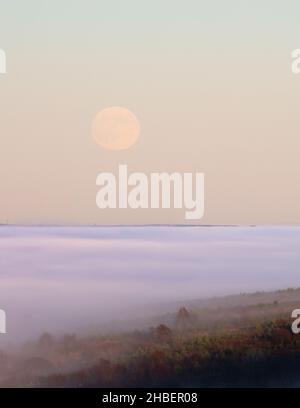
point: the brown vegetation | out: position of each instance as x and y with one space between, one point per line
250 345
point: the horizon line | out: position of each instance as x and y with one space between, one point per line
149 225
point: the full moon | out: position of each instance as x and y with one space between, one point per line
115 128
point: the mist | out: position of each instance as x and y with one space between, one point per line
66 279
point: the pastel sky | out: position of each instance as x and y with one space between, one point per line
209 81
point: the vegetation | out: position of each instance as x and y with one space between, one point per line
250 345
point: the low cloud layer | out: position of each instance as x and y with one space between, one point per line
57 278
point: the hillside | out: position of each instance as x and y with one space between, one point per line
241 340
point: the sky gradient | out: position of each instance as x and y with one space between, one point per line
210 83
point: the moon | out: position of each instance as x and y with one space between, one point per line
115 128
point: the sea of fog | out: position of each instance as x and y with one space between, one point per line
62 278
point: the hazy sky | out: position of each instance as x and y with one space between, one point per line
210 83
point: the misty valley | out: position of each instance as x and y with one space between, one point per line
150 306
240 340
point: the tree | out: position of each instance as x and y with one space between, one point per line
162 332
183 318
